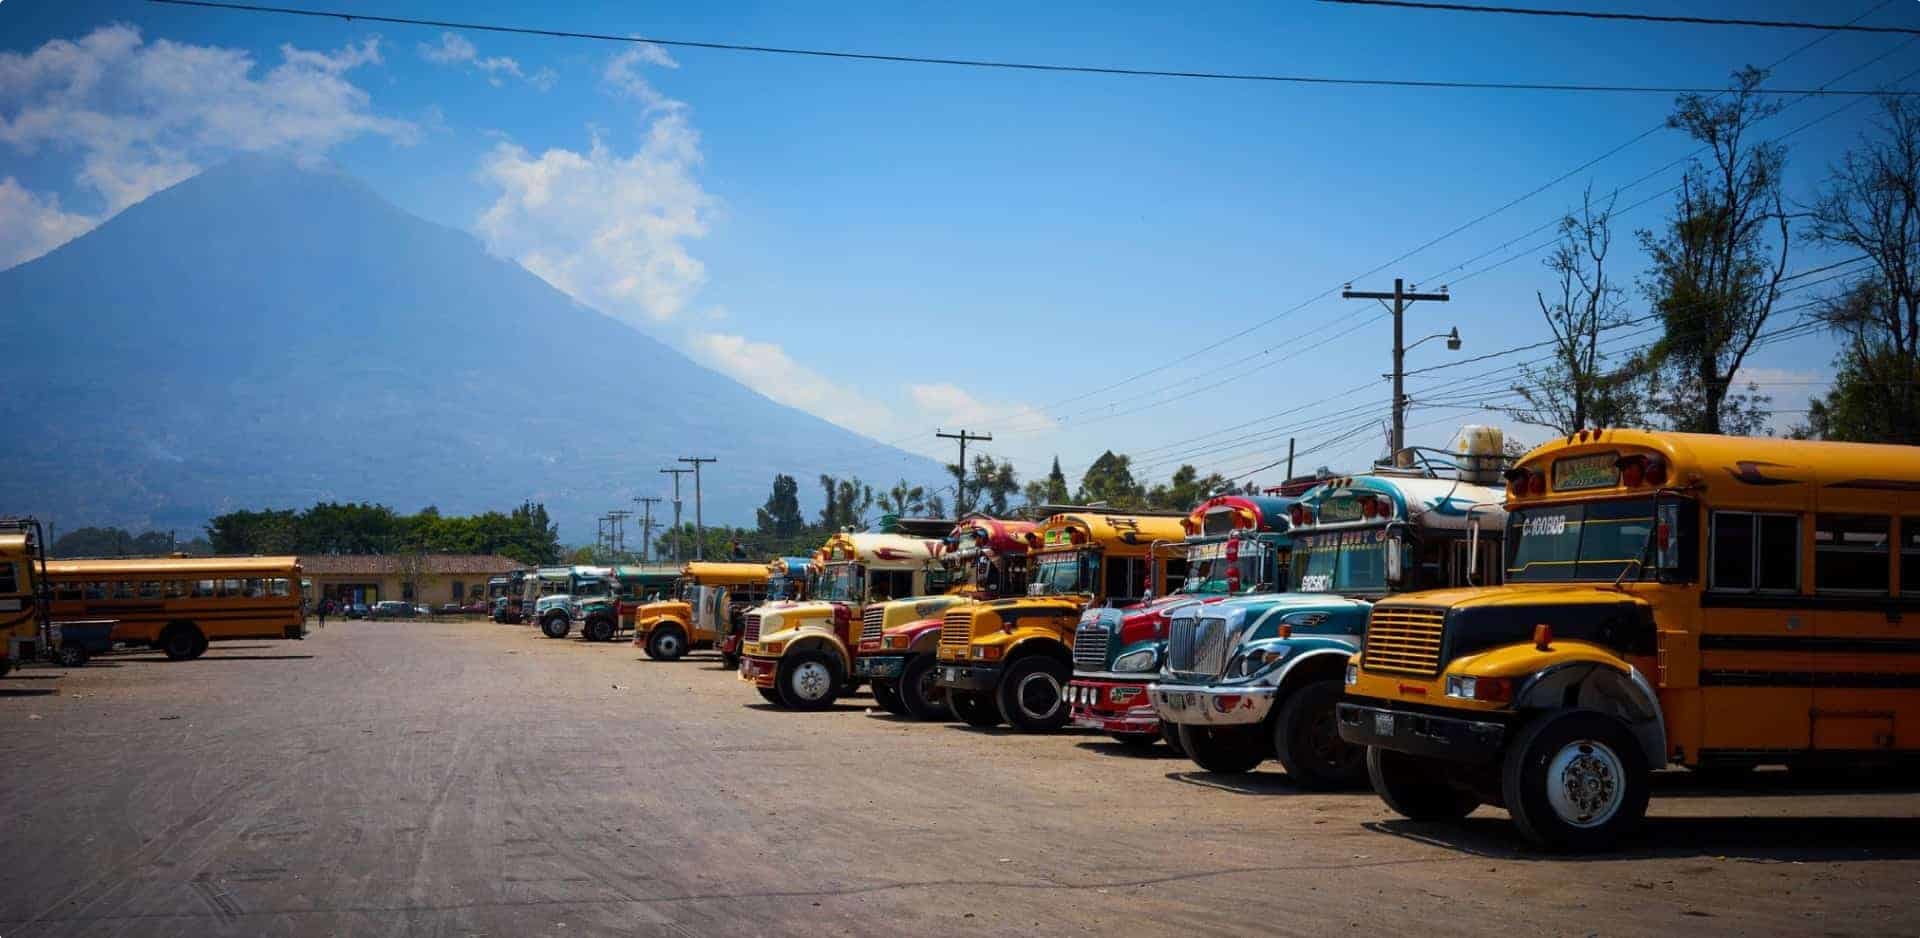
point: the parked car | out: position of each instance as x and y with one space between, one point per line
451 609
358 611
422 611
476 608
392 609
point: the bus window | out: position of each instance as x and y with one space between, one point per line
232 587
279 586
122 589
254 588
149 589
1850 554
1755 552
203 589
9 580
67 589
1910 556
178 589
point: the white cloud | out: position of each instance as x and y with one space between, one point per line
768 369
608 228
139 116
952 405
623 75
455 49
31 225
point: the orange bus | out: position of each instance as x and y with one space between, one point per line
179 604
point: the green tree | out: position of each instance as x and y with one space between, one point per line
1110 480
847 502
1577 388
1188 488
1871 205
903 499
1716 266
780 517
992 486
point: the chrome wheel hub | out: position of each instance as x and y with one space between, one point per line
812 680
1586 783
1039 695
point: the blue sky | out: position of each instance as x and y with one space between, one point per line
900 247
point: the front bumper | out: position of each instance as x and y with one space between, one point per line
880 667
759 671
1112 705
1422 734
1212 704
970 678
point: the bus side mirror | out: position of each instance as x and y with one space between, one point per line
1666 536
1473 550
1394 560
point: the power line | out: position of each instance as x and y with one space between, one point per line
1016 66
1631 17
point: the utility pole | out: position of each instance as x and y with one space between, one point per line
1400 297
960 492
699 528
1289 474
619 518
678 554
646 526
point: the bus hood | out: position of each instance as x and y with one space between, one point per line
1518 594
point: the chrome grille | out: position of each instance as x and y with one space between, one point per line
956 628
1404 639
870 622
1090 646
753 627
1197 647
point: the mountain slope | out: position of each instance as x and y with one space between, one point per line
264 335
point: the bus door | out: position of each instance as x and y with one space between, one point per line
709 613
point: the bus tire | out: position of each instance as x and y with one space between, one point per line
1171 733
888 697
1224 750
920 690
1413 788
809 680
1575 780
556 625
1306 740
182 642
1033 694
71 656
974 709
599 629
666 643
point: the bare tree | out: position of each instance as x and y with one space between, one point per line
1577 390
1871 204
1715 267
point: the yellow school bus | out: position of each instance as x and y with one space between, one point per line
1009 660
179 604
21 609
1671 599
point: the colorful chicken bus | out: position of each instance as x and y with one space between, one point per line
557 597
1707 601
669 628
1256 677
985 559
179 604
1010 660
1234 544
789 580
800 655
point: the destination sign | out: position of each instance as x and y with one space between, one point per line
1597 471
1338 510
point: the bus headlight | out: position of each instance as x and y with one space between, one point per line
1353 674
1490 689
1142 660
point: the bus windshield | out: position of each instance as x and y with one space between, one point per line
840 582
1063 572
1341 562
1582 541
1207 567
592 586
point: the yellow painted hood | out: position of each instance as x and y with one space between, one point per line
1527 594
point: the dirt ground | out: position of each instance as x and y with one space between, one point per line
467 778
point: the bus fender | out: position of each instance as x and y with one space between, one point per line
1038 645
1621 692
820 641
1312 659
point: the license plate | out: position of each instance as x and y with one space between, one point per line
950 674
862 666
1383 724
1181 701
888 668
